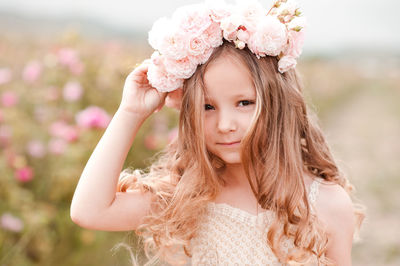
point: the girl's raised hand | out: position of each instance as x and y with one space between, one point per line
138 96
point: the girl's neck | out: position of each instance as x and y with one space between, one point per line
234 175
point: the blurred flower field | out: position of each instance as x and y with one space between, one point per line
58 95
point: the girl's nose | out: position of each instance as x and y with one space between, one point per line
226 122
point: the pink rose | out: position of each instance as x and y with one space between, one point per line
9 98
218 9
183 68
198 45
201 59
295 43
213 35
36 148
5 75
168 39
158 76
93 117
63 130
11 223
192 19
286 63
249 9
296 38
243 35
269 38
6 133
229 26
32 71
24 174
72 91
57 146
69 57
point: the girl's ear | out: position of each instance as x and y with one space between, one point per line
174 99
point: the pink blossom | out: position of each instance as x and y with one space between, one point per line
36 148
229 26
57 146
76 68
243 35
286 63
93 117
295 43
296 38
202 58
9 98
269 37
183 68
192 19
69 57
11 223
32 71
198 45
5 75
168 39
213 35
72 91
62 130
24 174
5 135
1 116
218 9
251 11
159 77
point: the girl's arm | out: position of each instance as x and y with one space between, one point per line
335 209
95 204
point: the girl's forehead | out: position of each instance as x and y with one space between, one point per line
230 93
227 78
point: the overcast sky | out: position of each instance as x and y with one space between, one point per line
333 24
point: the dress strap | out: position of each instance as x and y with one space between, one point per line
313 193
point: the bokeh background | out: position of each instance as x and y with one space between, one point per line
62 69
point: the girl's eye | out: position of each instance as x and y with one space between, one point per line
245 102
207 107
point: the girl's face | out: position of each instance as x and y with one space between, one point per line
230 99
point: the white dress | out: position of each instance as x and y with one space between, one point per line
232 236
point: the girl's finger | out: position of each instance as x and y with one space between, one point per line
139 74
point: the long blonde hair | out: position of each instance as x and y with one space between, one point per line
282 143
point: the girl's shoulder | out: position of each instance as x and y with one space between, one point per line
334 208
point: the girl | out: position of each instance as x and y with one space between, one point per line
250 179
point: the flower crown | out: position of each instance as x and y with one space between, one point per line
189 37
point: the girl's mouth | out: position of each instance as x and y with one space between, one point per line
230 143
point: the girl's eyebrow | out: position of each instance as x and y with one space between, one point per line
241 95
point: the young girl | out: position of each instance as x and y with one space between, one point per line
250 179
